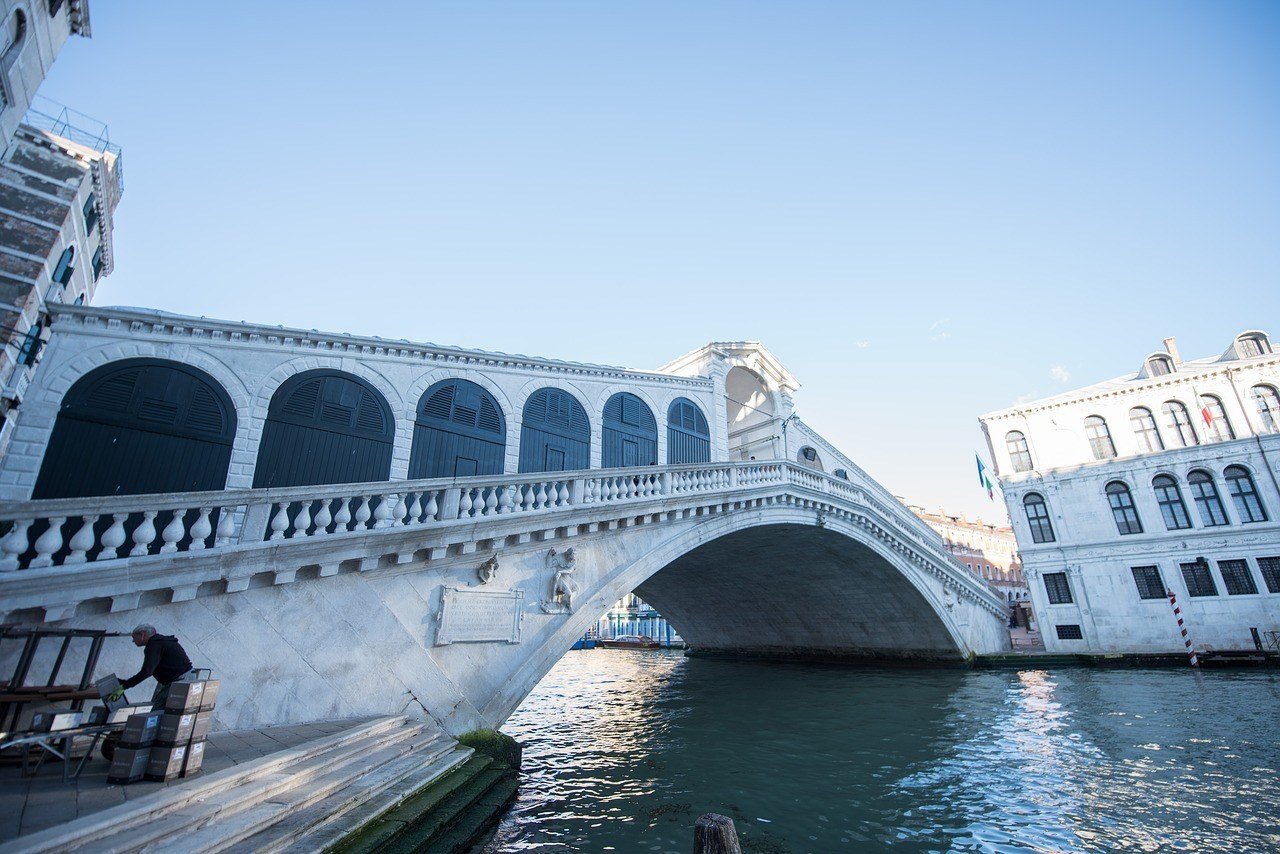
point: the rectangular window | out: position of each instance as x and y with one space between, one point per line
1069 632
1057 588
1236 577
90 212
1150 585
1270 567
1199 580
98 264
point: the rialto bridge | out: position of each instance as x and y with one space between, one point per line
343 526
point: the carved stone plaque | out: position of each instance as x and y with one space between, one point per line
470 615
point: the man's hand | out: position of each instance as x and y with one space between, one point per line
116 694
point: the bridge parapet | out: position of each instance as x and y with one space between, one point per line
115 550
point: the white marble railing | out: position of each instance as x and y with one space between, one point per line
71 531
65 532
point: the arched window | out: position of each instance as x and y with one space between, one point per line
62 272
1268 407
808 457
1252 344
630 434
1038 518
1244 494
1169 497
139 426
1145 430
1179 422
1158 366
1019 452
688 437
1126 515
459 431
322 427
1099 438
1205 494
1217 426
555 434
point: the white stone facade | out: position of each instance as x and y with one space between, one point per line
31 36
252 361
1131 475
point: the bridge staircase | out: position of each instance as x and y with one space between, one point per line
309 798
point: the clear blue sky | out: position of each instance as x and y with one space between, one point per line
923 209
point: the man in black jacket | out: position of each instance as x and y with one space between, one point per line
164 658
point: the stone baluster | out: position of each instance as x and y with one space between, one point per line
363 512
323 518
113 537
279 520
48 543
201 530
562 494
382 513
342 519
540 496
81 541
415 509
432 508
143 534
504 500
302 522
15 544
173 532
465 503
399 511
491 501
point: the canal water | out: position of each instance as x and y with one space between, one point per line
624 749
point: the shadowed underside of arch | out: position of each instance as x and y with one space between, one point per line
796 591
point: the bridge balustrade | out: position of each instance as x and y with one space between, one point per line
67 532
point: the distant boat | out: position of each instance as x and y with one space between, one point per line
584 643
630 642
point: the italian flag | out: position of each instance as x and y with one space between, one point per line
983 480
1204 408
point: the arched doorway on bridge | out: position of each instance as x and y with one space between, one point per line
630 434
459 432
138 426
688 436
751 414
555 433
325 426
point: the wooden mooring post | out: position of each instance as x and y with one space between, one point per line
715 834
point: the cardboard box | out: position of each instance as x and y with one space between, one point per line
53 720
166 762
175 728
129 764
200 730
140 730
106 687
185 697
195 758
103 715
211 688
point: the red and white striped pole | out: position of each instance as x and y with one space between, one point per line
1186 639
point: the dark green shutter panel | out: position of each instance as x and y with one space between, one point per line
459 432
555 433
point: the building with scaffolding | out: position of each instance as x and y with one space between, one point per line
60 182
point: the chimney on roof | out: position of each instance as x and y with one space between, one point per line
1171 347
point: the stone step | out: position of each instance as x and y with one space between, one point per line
500 788
329 820
269 772
202 823
424 824
221 829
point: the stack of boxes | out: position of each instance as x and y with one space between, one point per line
167 744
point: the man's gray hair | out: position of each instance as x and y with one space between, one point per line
144 629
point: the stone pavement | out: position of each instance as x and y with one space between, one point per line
29 804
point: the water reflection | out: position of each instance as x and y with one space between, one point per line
624 749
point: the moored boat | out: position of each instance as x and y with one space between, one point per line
629 642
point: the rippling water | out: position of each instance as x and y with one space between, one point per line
623 751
